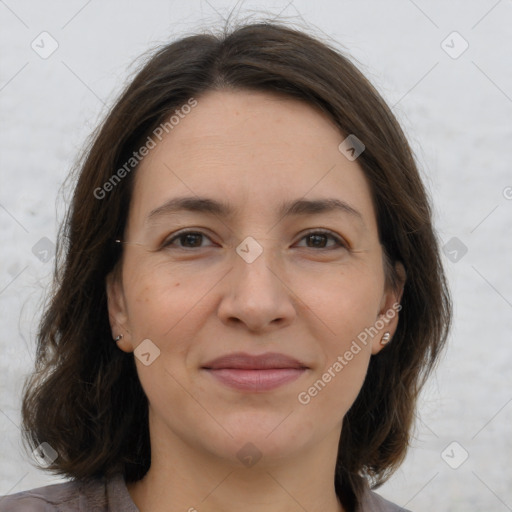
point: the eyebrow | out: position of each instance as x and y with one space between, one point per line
221 209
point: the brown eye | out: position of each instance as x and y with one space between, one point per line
320 239
187 240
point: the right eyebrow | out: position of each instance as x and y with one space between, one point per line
191 204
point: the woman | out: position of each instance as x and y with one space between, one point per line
250 228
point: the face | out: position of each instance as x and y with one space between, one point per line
284 258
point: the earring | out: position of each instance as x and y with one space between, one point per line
118 338
385 338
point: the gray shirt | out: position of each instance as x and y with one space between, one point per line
112 495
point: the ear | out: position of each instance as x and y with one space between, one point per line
387 319
117 311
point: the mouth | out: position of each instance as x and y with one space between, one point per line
264 372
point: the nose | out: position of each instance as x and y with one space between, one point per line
256 295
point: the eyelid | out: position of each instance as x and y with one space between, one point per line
186 231
340 241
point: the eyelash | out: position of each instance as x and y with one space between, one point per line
339 241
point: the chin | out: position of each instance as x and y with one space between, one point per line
267 438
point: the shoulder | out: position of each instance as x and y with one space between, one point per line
72 496
372 502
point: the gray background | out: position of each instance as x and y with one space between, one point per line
456 110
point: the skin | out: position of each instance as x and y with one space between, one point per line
306 299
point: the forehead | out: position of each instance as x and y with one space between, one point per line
250 149
245 125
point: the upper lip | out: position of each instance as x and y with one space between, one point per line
244 361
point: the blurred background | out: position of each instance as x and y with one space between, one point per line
445 68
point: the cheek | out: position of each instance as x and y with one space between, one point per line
164 307
347 303
345 300
345 349
161 301
331 393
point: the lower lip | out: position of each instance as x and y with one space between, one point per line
256 380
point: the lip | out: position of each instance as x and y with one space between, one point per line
256 380
246 372
244 361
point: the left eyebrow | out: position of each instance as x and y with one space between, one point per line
316 206
221 209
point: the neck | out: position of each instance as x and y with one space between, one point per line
181 479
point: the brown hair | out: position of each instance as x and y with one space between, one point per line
85 399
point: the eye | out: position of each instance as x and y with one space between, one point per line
319 238
187 240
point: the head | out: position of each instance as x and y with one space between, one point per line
252 122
